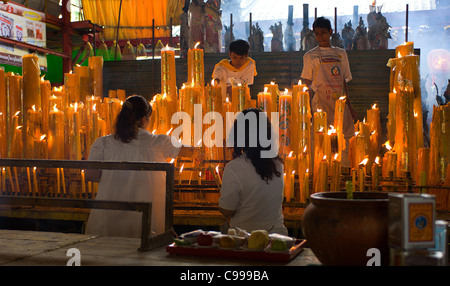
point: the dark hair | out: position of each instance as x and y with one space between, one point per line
239 47
129 118
265 167
322 22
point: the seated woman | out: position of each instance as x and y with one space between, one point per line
132 142
252 186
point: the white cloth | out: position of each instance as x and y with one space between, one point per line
258 205
131 186
327 68
246 74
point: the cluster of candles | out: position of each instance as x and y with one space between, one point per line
38 122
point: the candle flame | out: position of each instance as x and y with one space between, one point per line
321 129
332 130
286 91
399 55
415 114
34 169
324 157
42 77
227 100
272 83
299 82
217 169
71 72
307 170
374 106
154 130
393 90
168 132
18 127
373 132
82 171
181 169
43 137
304 149
388 146
200 173
33 107
319 110
183 86
342 97
266 89
305 89
196 45
336 156
377 160
17 113
94 108
55 108
58 88
213 82
199 142
290 154
171 161
364 162
293 172
76 106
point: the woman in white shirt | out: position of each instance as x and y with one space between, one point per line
133 143
251 196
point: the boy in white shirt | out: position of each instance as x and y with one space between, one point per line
240 67
326 71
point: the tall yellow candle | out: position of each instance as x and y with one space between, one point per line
72 84
339 123
31 81
272 88
168 72
56 134
239 97
304 122
335 174
33 131
289 182
196 66
362 174
322 180
285 124
45 103
85 84
95 64
391 125
265 102
302 168
376 173
319 154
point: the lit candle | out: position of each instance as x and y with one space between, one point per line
94 128
272 88
339 124
265 102
404 49
33 131
285 127
322 182
306 184
217 176
36 190
168 72
362 174
319 153
391 161
335 175
72 84
423 164
376 173
3 180
31 81
83 182
56 134
85 85
95 64
179 175
289 190
75 135
303 165
196 66
391 116
46 90
239 97
30 190
304 122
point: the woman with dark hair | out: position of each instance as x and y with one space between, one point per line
133 143
252 186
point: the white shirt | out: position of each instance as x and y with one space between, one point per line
133 186
311 62
246 74
258 205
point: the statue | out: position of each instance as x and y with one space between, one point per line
276 44
213 34
289 39
336 40
347 35
378 33
256 40
184 30
361 41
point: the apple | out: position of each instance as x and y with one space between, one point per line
205 239
258 239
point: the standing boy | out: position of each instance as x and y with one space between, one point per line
326 71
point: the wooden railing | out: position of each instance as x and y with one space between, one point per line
57 199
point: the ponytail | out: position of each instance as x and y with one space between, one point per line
130 117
